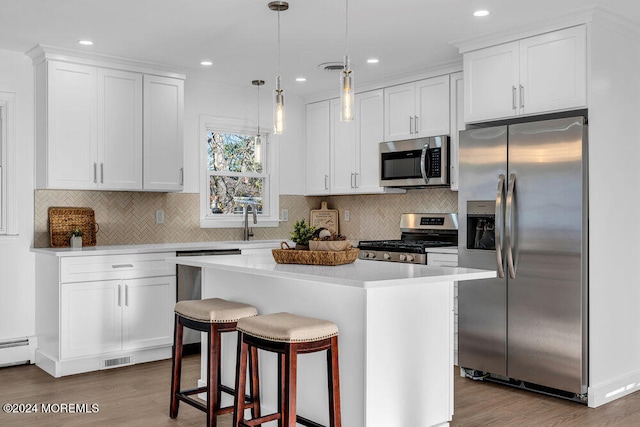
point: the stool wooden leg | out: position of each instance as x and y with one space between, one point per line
290 385
241 381
213 371
281 388
333 374
254 383
176 367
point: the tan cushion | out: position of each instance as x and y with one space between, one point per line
214 310
287 327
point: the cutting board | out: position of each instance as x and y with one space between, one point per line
327 218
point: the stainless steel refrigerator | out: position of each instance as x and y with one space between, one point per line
522 205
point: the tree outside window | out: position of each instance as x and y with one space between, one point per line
236 173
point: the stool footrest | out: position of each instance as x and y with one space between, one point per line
261 420
307 422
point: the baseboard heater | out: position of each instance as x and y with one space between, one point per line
17 351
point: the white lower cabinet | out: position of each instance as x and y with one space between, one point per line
103 311
448 260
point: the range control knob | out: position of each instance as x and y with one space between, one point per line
371 254
409 258
386 255
402 257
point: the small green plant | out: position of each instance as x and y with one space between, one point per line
77 232
302 232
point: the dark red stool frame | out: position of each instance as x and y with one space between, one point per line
214 387
287 374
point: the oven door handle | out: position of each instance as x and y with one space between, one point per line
425 163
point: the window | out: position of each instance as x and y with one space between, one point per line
237 174
7 156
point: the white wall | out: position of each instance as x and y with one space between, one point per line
614 210
17 270
206 97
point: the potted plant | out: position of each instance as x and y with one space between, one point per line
301 234
76 238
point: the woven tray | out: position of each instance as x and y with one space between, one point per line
63 220
292 256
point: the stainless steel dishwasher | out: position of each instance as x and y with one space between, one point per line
190 288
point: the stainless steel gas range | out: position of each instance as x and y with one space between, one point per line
421 232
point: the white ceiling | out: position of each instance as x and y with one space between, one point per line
240 36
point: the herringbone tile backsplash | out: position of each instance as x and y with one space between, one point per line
129 217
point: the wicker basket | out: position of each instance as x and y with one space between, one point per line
63 220
292 256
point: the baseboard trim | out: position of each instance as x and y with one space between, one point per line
613 389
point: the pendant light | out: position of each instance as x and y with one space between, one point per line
257 152
346 77
278 96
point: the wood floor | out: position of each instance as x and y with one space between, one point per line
139 396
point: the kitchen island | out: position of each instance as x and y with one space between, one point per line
396 333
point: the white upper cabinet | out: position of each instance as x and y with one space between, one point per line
90 127
417 109
343 151
369 134
163 133
70 128
119 130
535 75
318 139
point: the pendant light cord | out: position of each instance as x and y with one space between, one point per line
346 31
279 43
258 110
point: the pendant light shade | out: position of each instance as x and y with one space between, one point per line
346 77
257 152
278 93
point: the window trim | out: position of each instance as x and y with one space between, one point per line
233 125
7 165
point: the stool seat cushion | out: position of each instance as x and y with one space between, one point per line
287 327
214 310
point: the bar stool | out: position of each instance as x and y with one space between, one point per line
288 335
213 316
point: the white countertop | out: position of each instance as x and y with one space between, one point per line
361 273
159 247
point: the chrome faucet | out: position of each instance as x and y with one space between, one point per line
248 232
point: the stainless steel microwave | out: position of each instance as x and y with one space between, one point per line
421 162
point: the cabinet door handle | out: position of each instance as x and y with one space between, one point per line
181 176
355 180
126 295
513 97
411 125
326 185
119 295
415 124
101 173
122 266
521 96
352 186
95 173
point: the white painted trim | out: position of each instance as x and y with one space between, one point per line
8 164
613 389
39 53
244 126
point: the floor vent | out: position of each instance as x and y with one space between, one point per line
118 361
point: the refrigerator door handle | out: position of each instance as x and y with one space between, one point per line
425 163
499 224
509 214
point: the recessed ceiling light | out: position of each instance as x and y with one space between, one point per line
301 79
85 42
373 61
481 13
207 63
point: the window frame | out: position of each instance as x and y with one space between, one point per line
271 208
7 164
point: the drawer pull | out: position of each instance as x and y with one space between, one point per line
122 266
